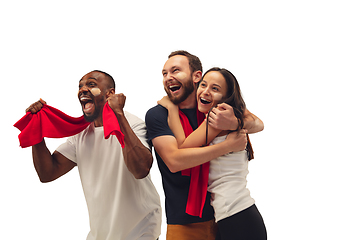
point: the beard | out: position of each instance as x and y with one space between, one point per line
92 117
188 88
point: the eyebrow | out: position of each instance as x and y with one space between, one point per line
89 78
214 84
172 68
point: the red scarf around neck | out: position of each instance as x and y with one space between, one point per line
199 174
53 123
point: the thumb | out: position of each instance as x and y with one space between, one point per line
224 106
42 101
243 131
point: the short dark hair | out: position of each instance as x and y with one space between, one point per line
111 82
194 61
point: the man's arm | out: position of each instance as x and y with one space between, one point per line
222 117
180 159
137 157
252 123
48 166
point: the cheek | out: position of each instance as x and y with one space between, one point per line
181 75
217 97
95 91
198 93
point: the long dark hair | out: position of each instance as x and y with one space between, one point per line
234 99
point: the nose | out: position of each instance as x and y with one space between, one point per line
167 77
83 89
206 91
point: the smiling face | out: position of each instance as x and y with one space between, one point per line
212 89
178 79
92 95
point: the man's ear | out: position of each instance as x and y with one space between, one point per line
110 92
197 76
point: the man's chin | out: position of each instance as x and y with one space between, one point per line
90 118
175 99
187 90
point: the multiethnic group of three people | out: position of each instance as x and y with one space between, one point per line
199 133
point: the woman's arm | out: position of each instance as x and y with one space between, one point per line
173 119
174 157
197 138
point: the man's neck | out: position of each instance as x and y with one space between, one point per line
98 123
189 102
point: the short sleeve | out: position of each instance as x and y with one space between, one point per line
68 149
139 128
156 122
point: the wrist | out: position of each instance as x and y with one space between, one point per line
236 126
119 113
227 147
173 108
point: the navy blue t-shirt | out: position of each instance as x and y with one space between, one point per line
176 186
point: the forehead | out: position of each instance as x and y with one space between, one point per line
97 76
176 61
215 77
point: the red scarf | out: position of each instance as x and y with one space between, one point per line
51 122
111 125
199 174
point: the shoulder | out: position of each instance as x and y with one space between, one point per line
156 114
154 111
156 122
132 119
137 125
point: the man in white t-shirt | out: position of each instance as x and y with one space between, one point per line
122 201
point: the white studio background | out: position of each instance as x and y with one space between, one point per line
297 63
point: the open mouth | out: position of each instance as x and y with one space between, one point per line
174 88
204 101
87 104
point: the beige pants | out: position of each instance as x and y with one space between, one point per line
199 231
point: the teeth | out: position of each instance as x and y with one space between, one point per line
84 98
174 87
203 100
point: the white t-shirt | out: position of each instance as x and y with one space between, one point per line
227 183
120 206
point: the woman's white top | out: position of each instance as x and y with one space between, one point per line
227 183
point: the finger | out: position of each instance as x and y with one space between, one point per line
223 106
211 120
32 107
215 110
37 106
243 131
211 115
42 101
